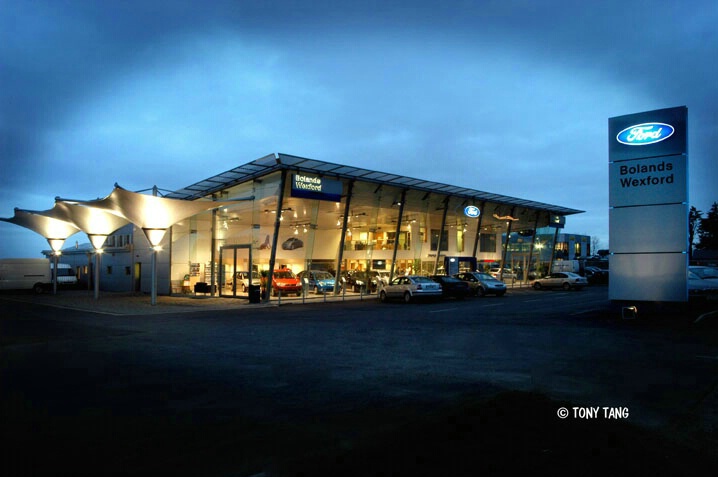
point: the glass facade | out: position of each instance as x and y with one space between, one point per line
377 228
292 214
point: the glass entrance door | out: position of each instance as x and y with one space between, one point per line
236 271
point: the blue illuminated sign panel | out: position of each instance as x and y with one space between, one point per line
472 211
645 134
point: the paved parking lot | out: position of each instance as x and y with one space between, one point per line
198 386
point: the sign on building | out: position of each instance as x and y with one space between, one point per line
310 186
648 205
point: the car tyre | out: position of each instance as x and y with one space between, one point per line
382 296
316 290
481 291
407 297
566 286
537 286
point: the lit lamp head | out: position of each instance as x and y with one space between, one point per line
154 236
56 245
97 241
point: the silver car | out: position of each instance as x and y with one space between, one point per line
410 287
703 282
242 280
565 280
482 283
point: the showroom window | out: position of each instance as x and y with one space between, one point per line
487 243
435 240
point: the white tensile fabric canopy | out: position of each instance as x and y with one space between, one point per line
98 224
55 230
153 214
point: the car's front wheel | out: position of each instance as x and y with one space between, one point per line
537 286
482 292
382 296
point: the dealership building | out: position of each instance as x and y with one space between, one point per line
303 214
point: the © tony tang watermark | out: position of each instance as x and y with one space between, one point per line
596 412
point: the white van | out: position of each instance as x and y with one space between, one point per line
65 274
25 274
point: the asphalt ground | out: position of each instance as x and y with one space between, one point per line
218 387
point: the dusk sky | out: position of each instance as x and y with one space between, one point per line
509 97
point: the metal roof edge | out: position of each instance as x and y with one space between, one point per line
280 161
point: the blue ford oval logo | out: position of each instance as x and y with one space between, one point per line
472 211
645 134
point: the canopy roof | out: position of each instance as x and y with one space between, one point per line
275 162
54 230
96 223
153 214
101 217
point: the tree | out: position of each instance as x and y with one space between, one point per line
708 230
694 221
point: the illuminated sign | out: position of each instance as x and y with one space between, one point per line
557 221
648 206
645 134
315 187
472 211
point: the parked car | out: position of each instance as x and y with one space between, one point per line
595 274
379 277
507 273
320 281
358 280
565 280
702 282
410 287
65 274
482 283
242 280
452 286
285 281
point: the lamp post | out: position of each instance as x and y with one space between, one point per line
154 236
56 246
